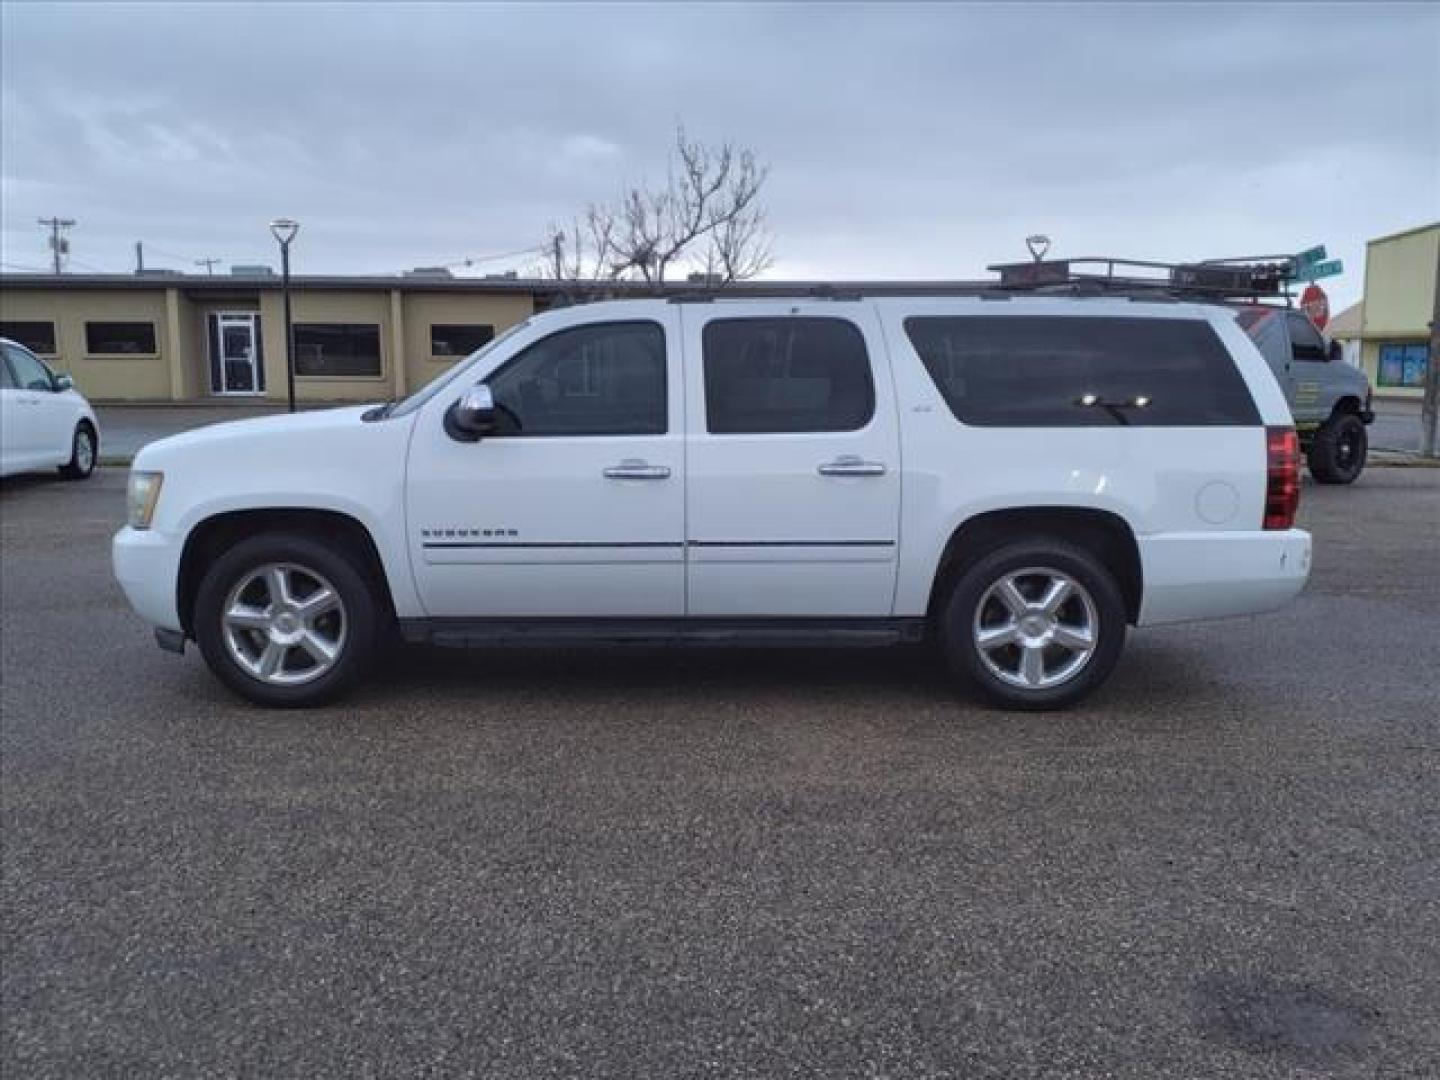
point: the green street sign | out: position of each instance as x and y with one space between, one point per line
1316 271
1310 258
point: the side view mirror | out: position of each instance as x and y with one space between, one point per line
472 417
63 382
1336 352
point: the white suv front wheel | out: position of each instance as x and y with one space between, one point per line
1037 624
283 619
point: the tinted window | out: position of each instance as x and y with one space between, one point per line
38 337
1082 371
122 338
1305 341
776 375
29 373
7 381
337 349
605 379
453 339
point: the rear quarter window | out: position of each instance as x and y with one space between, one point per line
1082 371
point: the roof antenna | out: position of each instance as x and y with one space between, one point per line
1039 245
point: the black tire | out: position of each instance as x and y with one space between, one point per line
970 603
1337 453
362 613
82 463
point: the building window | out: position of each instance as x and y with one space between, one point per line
38 337
120 338
454 340
1403 363
779 375
346 350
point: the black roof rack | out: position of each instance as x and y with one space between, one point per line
1245 279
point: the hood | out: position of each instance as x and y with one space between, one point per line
287 427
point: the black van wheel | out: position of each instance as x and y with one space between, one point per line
1337 453
1036 625
284 620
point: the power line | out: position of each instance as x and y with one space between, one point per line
471 261
170 254
21 266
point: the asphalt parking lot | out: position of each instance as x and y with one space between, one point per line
728 864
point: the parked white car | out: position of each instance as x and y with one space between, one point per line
45 422
1019 478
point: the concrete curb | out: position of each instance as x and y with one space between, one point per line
1401 459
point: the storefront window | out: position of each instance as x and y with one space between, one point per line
1403 364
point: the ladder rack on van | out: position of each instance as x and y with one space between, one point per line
1247 279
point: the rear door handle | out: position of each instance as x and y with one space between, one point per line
850 465
637 470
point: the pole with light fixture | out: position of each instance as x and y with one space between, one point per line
284 230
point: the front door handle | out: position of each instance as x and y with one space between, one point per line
637 470
850 465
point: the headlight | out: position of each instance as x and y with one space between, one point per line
141 496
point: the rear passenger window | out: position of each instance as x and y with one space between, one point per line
1082 371
779 375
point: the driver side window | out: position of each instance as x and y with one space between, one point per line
602 379
1306 344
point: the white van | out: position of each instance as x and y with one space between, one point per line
1018 477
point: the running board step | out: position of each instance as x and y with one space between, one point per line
596 633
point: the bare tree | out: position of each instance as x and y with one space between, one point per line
707 217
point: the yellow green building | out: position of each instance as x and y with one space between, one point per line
1400 272
172 337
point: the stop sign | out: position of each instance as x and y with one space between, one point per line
1316 305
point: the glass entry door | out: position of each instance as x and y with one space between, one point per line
235 360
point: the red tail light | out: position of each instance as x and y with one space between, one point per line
1282 477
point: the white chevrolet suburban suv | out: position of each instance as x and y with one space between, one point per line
1017 478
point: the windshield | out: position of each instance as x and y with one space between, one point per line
430 389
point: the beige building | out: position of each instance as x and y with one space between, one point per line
1400 272
168 337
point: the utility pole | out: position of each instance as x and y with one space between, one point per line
209 265
1430 401
139 257
59 245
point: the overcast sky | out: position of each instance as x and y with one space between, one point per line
903 141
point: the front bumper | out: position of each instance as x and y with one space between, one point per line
147 565
1213 575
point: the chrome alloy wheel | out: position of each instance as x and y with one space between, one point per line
1036 628
284 624
84 450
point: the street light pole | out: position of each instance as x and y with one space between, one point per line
284 230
